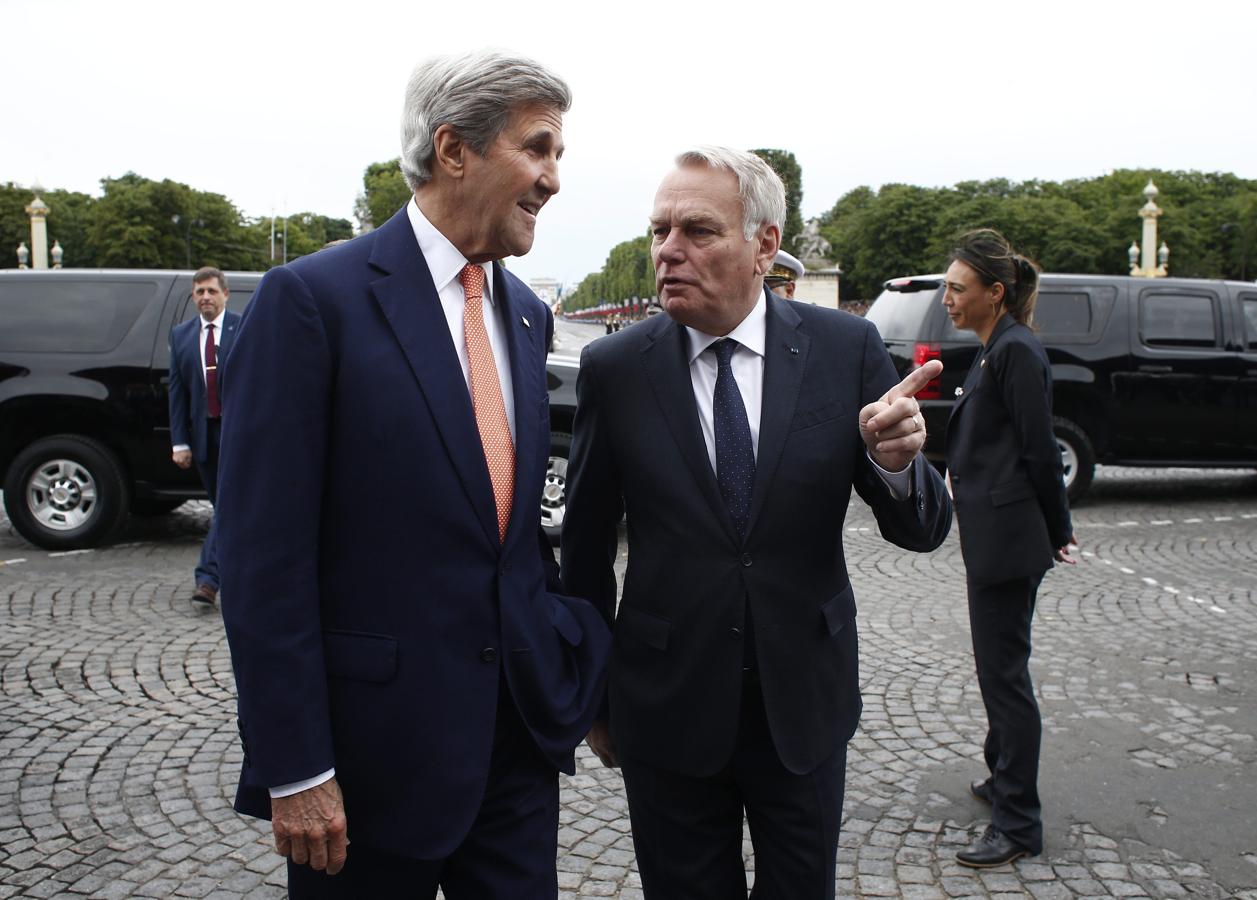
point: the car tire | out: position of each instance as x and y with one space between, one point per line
152 507
554 491
66 492
1077 456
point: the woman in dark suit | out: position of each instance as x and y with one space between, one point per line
1009 493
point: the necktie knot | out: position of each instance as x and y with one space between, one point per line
472 278
724 351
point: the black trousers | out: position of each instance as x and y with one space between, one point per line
207 565
509 854
999 618
687 831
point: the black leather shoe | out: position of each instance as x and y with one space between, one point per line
994 848
981 790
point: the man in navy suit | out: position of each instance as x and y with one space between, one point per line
732 432
198 352
409 678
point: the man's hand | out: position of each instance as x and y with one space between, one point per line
1062 553
310 827
182 458
599 741
893 427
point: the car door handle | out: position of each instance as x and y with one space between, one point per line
1156 369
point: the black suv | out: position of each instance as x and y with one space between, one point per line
84 422
1146 372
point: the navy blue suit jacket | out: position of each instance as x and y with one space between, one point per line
370 607
187 381
1005 464
676 681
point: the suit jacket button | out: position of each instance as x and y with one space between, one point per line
736 633
746 559
488 654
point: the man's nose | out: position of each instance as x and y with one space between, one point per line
671 250
549 180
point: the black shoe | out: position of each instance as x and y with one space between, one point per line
994 848
204 595
982 790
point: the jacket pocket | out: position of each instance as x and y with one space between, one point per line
816 416
646 627
564 622
838 610
360 656
1011 492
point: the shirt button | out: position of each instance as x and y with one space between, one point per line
488 654
746 559
736 633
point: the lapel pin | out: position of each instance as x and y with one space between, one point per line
960 392
794 350
524 319
982 365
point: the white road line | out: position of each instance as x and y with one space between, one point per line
1126 524
12 562
69 553
1126 571
1171 590
1217 609
1223 518
1161 522
1148 580
1192 521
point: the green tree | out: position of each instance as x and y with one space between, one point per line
627 273
384 192
791 175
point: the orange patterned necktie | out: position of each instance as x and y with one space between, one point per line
486 396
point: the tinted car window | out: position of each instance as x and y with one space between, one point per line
1060 313
1250 322
65 316
902 316
1177 320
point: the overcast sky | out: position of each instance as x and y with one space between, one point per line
281 105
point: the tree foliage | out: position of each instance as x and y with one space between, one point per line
791 175
1209 222
628 272
384 192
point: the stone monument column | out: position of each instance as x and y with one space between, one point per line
38 211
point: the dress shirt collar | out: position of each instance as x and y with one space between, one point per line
750 332
443 259
217 323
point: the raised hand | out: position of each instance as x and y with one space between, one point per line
892 427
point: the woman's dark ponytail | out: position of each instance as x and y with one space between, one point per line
989 254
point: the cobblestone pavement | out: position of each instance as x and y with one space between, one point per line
118 751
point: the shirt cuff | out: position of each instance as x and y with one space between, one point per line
898 483
178 447
287 790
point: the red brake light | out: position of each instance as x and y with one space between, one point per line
921 354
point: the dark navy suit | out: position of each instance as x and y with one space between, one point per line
680 703
189 417
376 622
1012 512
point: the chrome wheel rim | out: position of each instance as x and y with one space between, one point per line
554 493
1069 461
61 495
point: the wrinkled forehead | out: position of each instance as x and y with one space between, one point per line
696 190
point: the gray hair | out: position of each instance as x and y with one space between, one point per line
763 195
475 93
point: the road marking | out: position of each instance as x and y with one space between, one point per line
68 553
1217 609
1126 524
12 562
1148 580
1171 590
1223 518
1126 571
1161 522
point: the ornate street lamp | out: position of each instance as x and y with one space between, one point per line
1149 213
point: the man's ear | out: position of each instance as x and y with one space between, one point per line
448 151
768 242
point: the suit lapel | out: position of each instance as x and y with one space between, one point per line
666 361
410 304
785 359
528 390
975 372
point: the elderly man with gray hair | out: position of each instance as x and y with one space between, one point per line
409 677
734 684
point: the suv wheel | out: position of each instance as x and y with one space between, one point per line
554 491
66 492
1077 456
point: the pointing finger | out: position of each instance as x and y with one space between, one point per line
917 379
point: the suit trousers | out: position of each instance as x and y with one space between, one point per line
509 854
207 566
687 831
999 619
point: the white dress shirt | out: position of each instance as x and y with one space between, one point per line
218 339
747 363
445 263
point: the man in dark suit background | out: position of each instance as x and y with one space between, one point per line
198 352
731 432
408 678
